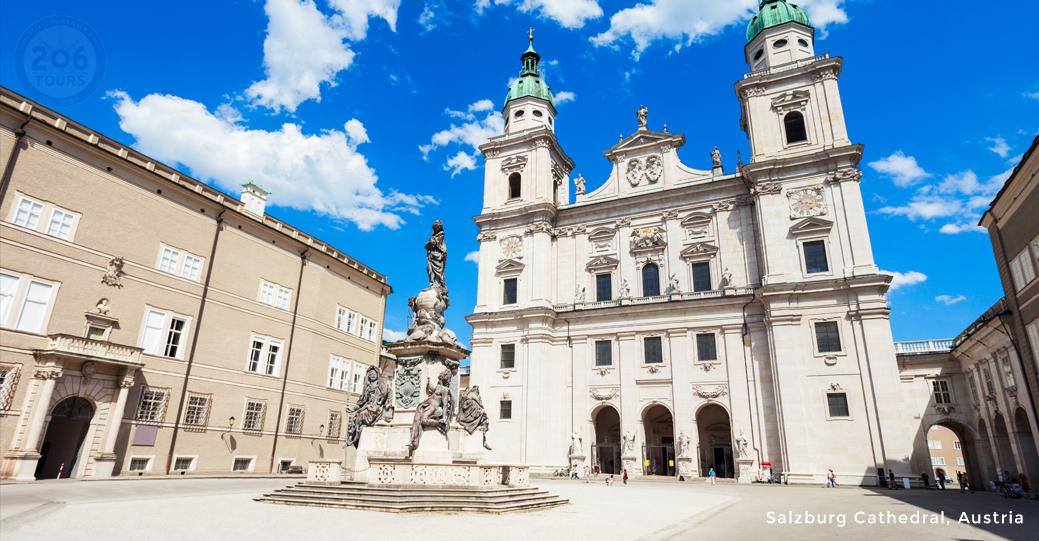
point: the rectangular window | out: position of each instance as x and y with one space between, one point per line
61 224
509 291
242 464
937 444
838 404
930 444
356 384
34 308
361 326
339 373
1008 371
8 383
341 318
956 445
294 422
653 350
254 414
989 386
267 293
282 301
701 276
152 408
706 349
1021 270
153 324
192 265
973 388
334 424
506 409
182 464
28 214
197 411
173 337
372 327
959 461
169 260
163 334
508 356
815 257
351 323
8 289
603 353
603 287
827 336
941 391
264 356
1033 335
139 464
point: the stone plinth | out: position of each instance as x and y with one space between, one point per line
325 472
745 470
403 473
579 461
631 463
685 468
104 465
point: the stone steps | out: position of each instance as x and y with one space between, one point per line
415 499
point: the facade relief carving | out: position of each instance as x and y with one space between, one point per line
114 272
768 188
623 222
539 227
484 236
603 395
845 175
634 171
513 164
654 169
710 394
648 238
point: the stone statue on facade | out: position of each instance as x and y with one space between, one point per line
642 114
436 257
625 291
726 278
374 404
629 443
579 295
685 445
716 158
579 185
471 414
102 307
576 445
114 272
436 410
673 287
741 445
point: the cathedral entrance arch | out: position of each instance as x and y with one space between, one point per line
606 450
715 435
63 444
1030 456
659 450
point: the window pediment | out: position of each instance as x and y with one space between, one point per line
603 262
602 239
698 249
791 101
509 266
697 224
513 164
811 225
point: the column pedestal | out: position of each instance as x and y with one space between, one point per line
745 469
631 463
104 465
579 461
685 468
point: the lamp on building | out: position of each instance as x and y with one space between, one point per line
230 423
321 431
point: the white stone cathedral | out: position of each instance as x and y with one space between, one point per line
675 319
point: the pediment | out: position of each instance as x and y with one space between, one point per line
602 234
696 218
509 265
795 99
698 249
811 225
603 262
643 140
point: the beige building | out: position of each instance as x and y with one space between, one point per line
150 324
946 453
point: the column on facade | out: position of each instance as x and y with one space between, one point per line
540 274
579 413
851 222
628 363
678 340
41 405
792 397
115 420
740 401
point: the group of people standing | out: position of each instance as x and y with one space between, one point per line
591 475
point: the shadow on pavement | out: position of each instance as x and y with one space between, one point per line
1003 513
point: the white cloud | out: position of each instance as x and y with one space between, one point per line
568 13
960 196
902 169
304 49
473 256
999 146
949 300
433 14
687 21
953 229
907 279
392 336
322 173
1033 95
473 133
564 96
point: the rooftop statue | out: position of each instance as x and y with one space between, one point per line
642 114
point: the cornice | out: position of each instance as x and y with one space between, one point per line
770 77
503 143
796 167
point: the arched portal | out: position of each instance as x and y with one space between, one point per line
1004 451
1030 458
957 451
63 444
659 449
715 433
606 450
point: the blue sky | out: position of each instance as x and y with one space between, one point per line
362 116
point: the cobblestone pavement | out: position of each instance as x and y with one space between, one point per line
644 510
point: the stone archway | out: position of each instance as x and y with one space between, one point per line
714 429
606 448
971 452
1004 451
1026 441
63 444
659 450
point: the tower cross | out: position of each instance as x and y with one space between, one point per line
530 34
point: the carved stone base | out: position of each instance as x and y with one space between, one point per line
579 461
685 468
325 472
631 463
22 465
745 471
405 473
717 171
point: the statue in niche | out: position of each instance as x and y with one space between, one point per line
576 445
685 445
642 115
436 257
741 445
471 414
579 185
716 157
102 307
579 295
625 291
726 278
373 404
436 410
629 443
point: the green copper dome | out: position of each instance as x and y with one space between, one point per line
774 13
530 83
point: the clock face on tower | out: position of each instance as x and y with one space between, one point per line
512 248
806 202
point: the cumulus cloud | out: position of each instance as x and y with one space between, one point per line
1033 95
960 197
322 173
392 336
949 300
999 146
568 13
304 48
907 279
472 134
563 97
687 21
902 169
473 256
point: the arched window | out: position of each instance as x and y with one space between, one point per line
650 280
514 186
795 127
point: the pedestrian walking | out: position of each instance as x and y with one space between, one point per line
940 477
625 477
573 472
587 473
831 480
923 478
597 471
892 486
712 475
959 480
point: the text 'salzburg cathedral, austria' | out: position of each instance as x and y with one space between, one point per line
665 320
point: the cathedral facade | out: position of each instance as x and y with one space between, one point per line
676 319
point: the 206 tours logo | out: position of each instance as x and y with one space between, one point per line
60 61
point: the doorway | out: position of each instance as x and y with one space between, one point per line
953 449
659 451
606 450
715 449
63 444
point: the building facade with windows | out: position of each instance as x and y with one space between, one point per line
150 324
741 313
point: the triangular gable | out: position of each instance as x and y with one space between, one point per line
811 225
645 139
509 265
699 248
603 262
